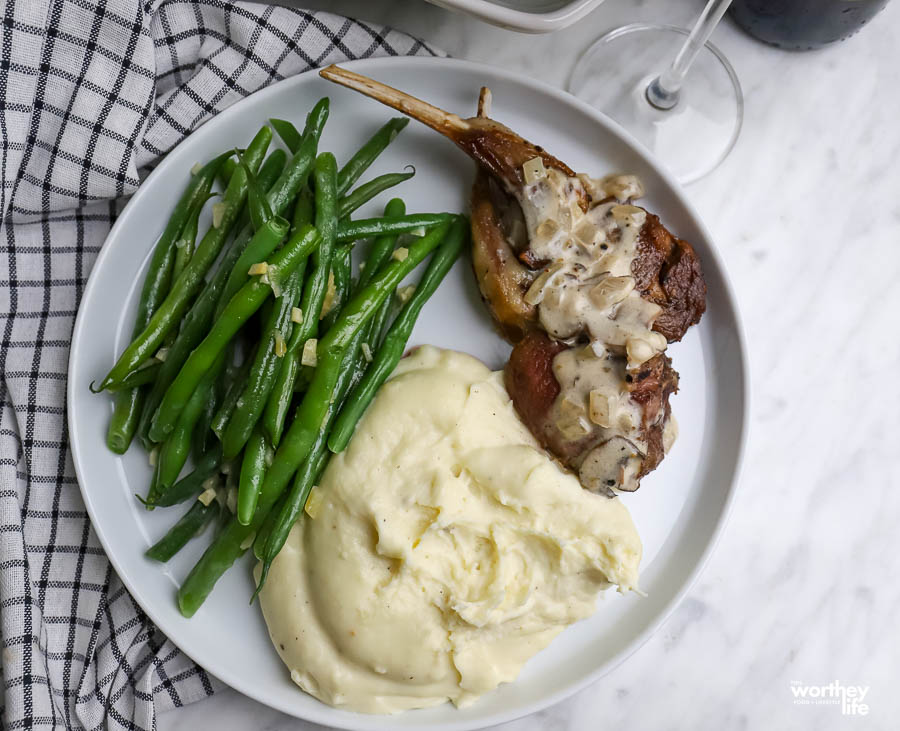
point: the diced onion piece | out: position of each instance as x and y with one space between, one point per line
218 213
330 295
570 408
638 351
207 496
611 290
280 345
296 315
602 408
534 170
162 354
198 166
547 228
574 429
367 352
535 293
260 267
623 187
625 213
231 500
585 233
309 353
400 254
404 293
420 231
248 541
314 502
152 456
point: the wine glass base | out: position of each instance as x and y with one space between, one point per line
693 137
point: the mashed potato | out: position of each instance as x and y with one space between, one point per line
446 549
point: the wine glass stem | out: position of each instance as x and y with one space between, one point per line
663 91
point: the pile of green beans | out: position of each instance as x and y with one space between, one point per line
257 347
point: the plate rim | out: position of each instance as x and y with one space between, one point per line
523 21
373 65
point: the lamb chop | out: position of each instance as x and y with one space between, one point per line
588 287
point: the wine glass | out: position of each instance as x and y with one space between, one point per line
690 126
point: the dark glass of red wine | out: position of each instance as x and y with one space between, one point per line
803 25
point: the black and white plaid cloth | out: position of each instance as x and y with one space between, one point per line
91 92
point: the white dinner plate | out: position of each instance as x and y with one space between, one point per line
679 510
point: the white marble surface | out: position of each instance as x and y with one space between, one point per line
806 211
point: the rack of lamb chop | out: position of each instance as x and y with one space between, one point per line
588 287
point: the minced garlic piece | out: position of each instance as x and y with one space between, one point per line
280 346
404 293
218 213
313 502
400 254
330 295
309 353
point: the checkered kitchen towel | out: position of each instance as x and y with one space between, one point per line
91 92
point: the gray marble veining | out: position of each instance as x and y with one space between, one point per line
806 211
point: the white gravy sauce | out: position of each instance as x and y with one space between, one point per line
587 287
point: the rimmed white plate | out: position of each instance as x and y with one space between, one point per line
679 510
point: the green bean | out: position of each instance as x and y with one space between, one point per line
253 469
383 245
232 394
184 249
129 403
311 467
392 349
141 377
223 285
191 524
186 286
227 170
192 483
310 415
184 246
288 133
265 528
340 273
366 155
365 227
174 451
367 191
378 255
265 178
257 204
265 367
238 310
313 297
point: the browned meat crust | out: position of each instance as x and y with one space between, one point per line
502 279
533 388
667 272
651 387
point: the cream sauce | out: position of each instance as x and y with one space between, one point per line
587 287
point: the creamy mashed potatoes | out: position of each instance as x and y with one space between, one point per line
445 552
